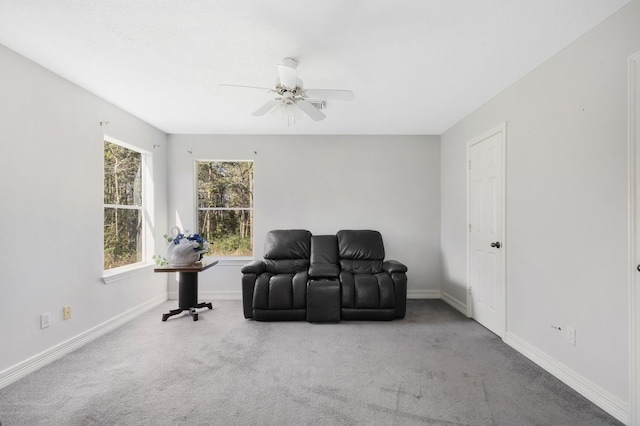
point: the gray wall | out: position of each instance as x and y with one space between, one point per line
51 221
324 184
566 219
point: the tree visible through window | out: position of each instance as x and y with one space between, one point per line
123 214
225 206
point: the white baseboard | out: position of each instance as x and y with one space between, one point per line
454 303
423 294
594 393
237 295
22 369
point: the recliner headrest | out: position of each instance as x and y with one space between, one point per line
360 245
287 244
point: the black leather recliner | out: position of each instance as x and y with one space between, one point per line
275 289
324 278
372 288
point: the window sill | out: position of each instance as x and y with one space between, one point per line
126 272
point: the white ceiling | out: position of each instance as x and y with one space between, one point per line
416 66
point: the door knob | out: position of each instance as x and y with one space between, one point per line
496 244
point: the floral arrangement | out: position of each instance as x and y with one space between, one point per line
184 240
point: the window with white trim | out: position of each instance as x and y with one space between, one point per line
225 206
123 206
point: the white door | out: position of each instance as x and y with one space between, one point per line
486 298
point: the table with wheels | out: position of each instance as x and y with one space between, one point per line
187 287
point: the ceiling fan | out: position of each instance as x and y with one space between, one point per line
292 98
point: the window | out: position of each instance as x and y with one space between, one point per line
123 215
225 206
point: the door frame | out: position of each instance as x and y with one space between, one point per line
500 129
634 238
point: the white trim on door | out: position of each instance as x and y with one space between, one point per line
502 130
634 240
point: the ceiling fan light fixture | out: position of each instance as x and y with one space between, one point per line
288 110
293 113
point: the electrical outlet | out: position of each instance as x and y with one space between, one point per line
45 320
570 335
66 312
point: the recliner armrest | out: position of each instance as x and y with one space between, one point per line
392 266
255 267
324 270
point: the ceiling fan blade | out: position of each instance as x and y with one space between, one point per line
310 110
288 73
246 87
266 107
342 95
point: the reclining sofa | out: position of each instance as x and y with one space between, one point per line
324 278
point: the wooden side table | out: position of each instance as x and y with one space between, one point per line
187 287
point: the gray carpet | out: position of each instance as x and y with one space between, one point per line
435 367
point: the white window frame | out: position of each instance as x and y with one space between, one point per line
224 260
124 272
